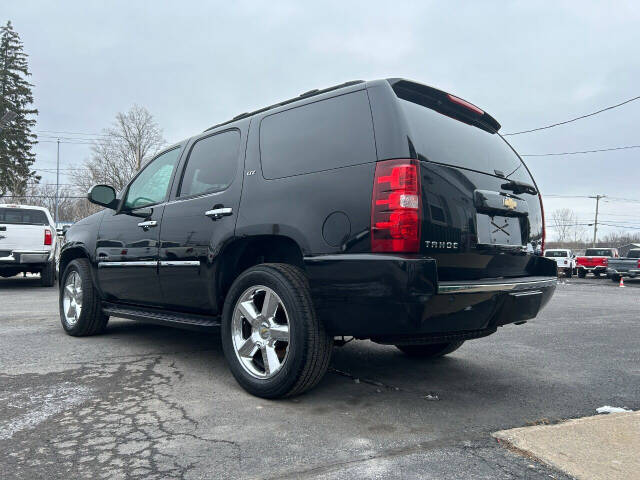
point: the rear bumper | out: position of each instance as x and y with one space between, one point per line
25 257
597 269
632 272
370 295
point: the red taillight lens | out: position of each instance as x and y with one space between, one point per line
396 207
48 238
638 263
544 229
605 262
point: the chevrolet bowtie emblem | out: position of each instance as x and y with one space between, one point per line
510 203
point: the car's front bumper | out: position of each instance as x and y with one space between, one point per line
373 294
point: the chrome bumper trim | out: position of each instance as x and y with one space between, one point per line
498 286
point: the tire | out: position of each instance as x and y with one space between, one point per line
568 272
91 320
303 362
582 274
48 275
615 278
432 350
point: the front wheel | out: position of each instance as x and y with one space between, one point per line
80 310
432 350
274 343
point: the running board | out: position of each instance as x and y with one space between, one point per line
163 317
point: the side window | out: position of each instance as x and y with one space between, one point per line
152 185
211 165
332 133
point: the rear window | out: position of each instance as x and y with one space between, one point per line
332 133
597 252
439 138
555 253
634 254
23 216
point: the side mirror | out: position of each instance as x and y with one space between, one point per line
103 195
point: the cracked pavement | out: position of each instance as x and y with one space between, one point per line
143 401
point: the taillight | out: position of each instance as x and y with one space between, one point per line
544 229
396 207
48 238
638 263
605 262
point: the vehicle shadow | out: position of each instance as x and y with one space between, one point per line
22 282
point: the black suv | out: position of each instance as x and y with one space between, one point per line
384 210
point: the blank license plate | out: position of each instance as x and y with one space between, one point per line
498 230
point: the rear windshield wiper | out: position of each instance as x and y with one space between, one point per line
519 187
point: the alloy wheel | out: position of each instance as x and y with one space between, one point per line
72 298
260 331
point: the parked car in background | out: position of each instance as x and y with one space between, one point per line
384 210
628 266
564 258
28 242
595 261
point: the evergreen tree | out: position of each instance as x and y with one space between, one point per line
17 139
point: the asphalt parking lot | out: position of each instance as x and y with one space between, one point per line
144 401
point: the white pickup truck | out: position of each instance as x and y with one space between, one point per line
28 242
565 259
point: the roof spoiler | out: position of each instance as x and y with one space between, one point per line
445 103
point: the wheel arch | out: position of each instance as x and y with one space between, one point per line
69 254
244 253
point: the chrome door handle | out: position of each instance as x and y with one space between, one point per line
148 223
217 213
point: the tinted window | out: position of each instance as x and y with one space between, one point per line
212 164
598 252
331 133
555 253
152 185
634 254
442 139
23 216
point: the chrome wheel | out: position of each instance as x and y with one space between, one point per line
72 298
260 331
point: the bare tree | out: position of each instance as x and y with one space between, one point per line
563 220
123 149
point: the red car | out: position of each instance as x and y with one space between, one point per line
595 261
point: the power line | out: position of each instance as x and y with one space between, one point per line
573 119
580 152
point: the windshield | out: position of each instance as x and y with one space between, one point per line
555 253
598 252
23 216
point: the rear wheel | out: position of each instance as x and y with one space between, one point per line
272 340
432 350
568 272
615 278
582 274
48 275
80 310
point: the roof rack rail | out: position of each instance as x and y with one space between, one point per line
310 93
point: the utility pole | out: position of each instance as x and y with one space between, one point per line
58 182
595 223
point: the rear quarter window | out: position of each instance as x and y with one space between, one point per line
332 133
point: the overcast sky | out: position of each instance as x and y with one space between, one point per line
194 64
